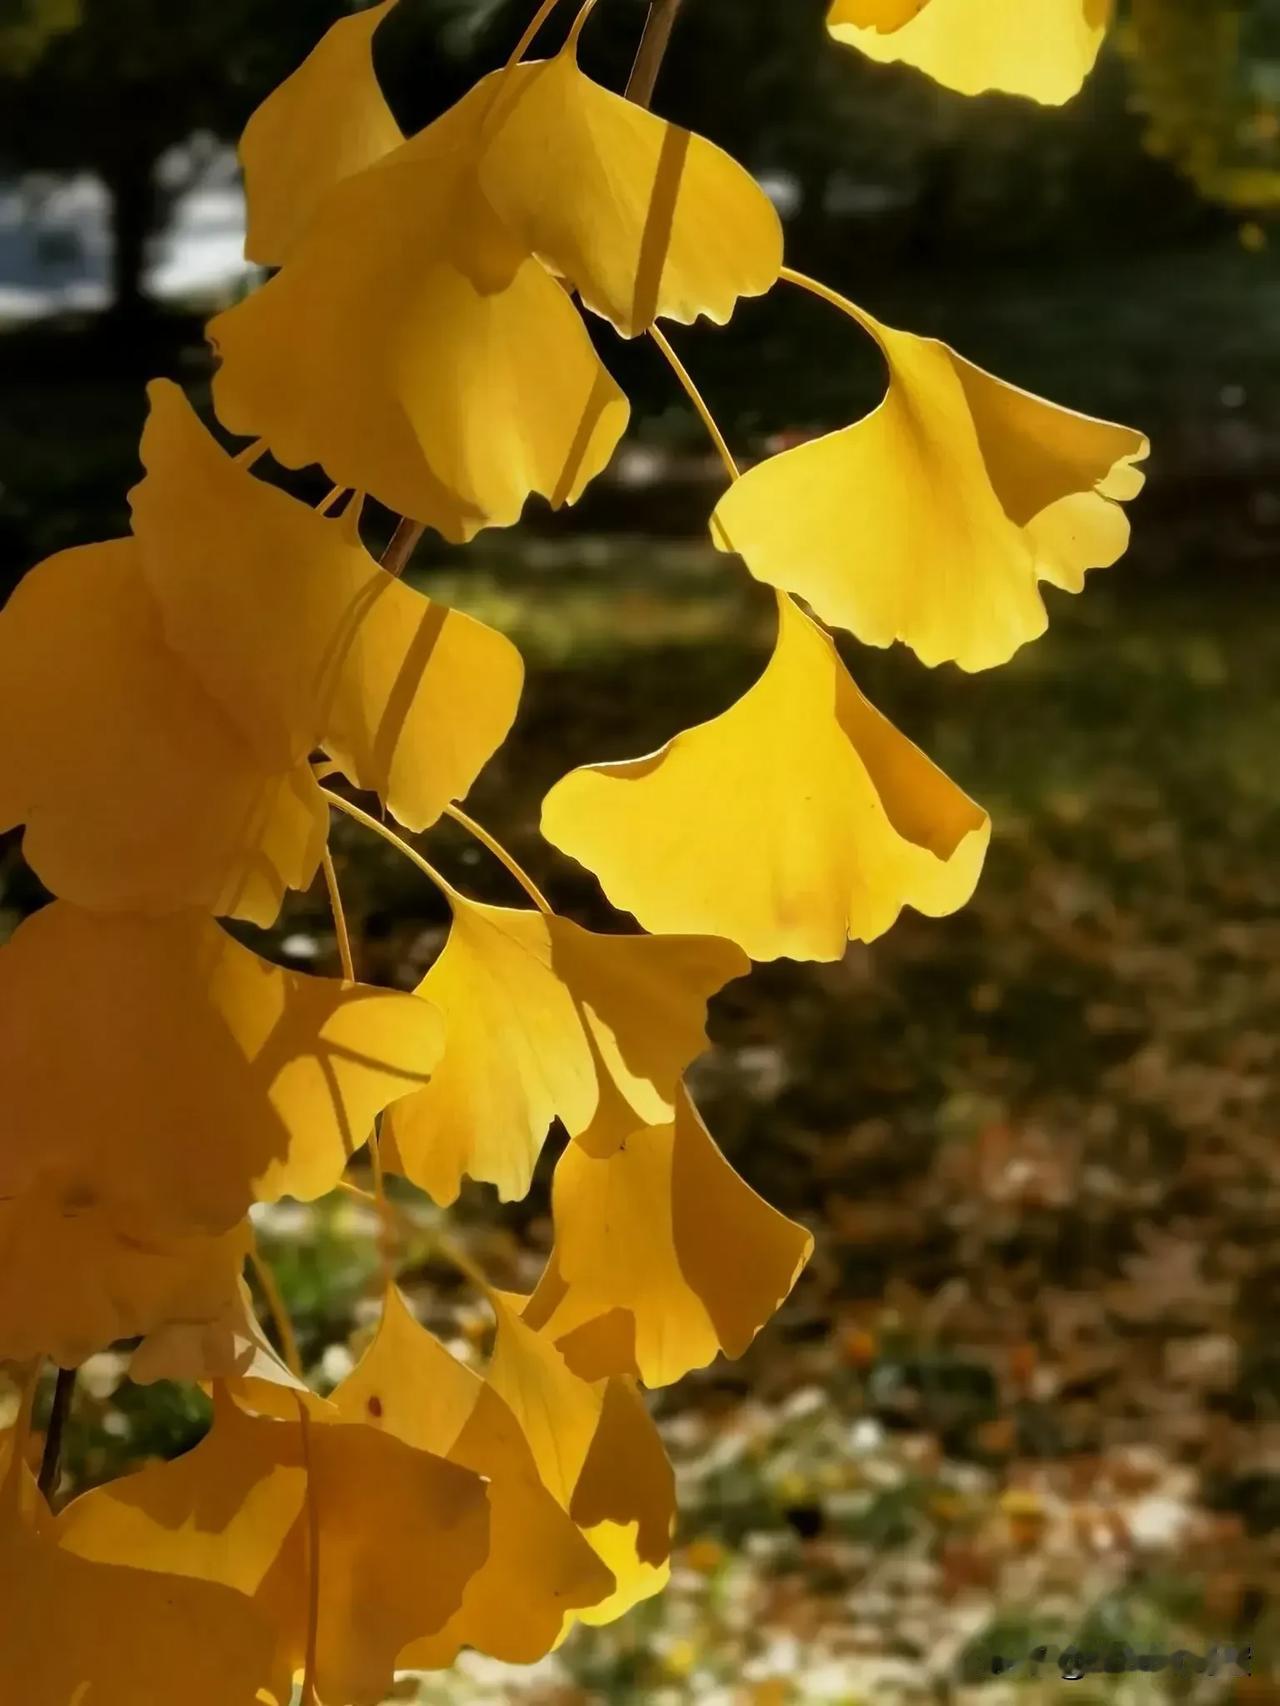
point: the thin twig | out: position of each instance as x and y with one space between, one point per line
395 559
51 1462
652 51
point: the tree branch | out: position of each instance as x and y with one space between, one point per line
652 51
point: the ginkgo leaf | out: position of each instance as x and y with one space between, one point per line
597 1452
539 1565
74 1276
159 1074
933 520
73 1631
325 122
293 627
229 1346
644 219
457 377
845 820
546 1020
400 1534
137 790
1044 50
666 1236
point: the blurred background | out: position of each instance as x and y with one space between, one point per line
1029 1391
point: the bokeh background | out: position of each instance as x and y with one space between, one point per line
1029 1391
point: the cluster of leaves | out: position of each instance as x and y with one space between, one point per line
173 704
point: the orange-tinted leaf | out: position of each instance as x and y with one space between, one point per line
138 791
666 1236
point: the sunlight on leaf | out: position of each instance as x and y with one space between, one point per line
545 1020
847 822
933 520
664 1257
1044 49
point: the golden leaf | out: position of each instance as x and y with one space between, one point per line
645 220
293 627
401 1533
933 520
664 1257
74 1275
545 1020
1044 50
158 1074
326 121
137 790
73 1631
845 820
415 349
597 1452
539 1566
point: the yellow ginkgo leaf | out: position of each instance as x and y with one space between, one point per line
846 820
325 122
74 1276
400 1534
73 1631
1044 49
597 1452
137 790
415 349
667 1237
229 1346
546 1020
644 219
158 1073
933 520
539 1566
293 627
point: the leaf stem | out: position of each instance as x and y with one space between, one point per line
500 853
51 1463
535 24
339 916
652 50
279 1314
824 293
699 402
309 1696
389 835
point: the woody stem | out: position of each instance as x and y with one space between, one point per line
652 51
51 1463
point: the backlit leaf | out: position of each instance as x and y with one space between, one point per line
1044 49
644 219
456 376
845 820
539 1566
933 520
326 121
597 1452
664 1257
545 1020
293 627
